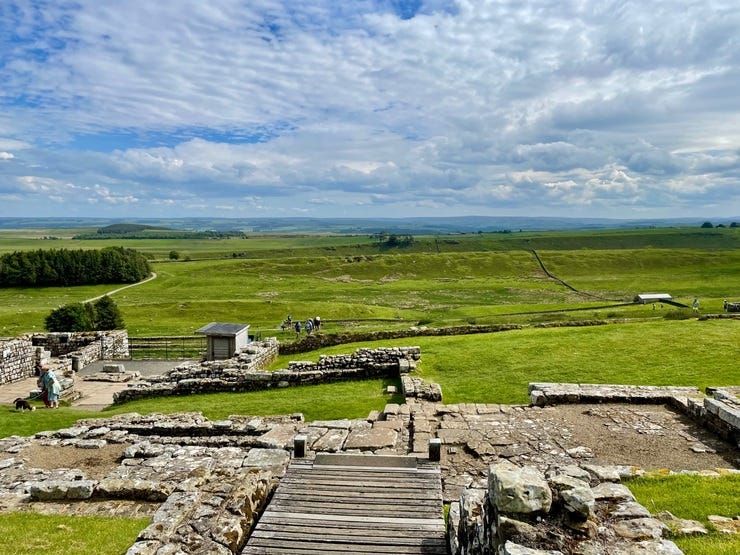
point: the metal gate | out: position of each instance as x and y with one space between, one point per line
168 347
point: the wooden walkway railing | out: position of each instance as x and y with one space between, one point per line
354 504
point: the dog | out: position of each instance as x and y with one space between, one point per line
22 404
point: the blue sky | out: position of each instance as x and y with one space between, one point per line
385 108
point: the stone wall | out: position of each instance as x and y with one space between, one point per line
16 360
568 509
720 413
87 346
246 372
21 358
321 340
545 393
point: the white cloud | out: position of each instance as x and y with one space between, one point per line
470 106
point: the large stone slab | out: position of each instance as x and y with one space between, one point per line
332 441
275 460
370 439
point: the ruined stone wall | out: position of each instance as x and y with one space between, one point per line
246 372
321 340
568 509
720 413
21 358
16 360
89 346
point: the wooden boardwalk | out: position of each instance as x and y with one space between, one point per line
354 504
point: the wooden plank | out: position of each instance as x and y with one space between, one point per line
338 521
317 547
357 529
353 508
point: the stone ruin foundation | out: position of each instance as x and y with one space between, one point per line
519 479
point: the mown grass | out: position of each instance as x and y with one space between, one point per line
497 367
694 497
35 534
322 402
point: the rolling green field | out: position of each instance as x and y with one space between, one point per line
351 282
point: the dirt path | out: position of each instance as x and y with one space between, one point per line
150 278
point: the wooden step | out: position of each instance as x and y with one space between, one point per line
354 504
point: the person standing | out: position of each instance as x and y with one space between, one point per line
298 328
695 306
53 388
41 384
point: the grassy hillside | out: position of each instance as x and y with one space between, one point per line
396 289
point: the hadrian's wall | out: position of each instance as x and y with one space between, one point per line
245 372
17 360
21 358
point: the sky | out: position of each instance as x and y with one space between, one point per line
369 108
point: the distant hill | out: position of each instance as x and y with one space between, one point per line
127 228
360 226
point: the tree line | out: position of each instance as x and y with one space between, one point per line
64 267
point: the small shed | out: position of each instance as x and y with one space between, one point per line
224 340
653 298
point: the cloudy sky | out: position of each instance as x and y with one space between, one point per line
362 108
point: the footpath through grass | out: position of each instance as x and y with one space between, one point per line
694 497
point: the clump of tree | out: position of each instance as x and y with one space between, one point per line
103 314
66 267
390 240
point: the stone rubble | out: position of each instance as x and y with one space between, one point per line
526 511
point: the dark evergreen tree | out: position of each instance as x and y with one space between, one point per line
107 314
71 317
72 267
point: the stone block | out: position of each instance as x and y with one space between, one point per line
579 502
518 490
275 460
59 490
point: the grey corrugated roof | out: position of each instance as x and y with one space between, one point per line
220 328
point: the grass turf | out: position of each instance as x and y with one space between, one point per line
694 497
35 534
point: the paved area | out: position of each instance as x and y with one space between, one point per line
95 395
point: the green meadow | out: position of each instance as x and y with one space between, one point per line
352 282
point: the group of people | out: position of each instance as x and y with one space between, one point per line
310 325
50 387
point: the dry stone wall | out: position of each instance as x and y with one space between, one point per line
246 372
16 360
22 357
87 346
